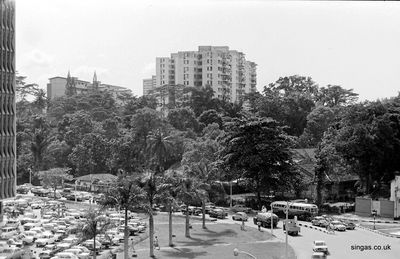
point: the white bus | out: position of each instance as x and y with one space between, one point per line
303 211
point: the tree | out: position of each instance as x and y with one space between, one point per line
289 100
159 146
125 195
259 150
91 155
199 161
335 95
209 117
40 135
201 99
368 138
151 185
54 178
183 119
95 223
318 121
187 192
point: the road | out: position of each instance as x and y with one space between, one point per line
342 245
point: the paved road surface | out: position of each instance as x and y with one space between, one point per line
340 244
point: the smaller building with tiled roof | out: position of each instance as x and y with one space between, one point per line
96 182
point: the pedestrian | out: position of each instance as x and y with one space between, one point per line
259 225
156 245
242 227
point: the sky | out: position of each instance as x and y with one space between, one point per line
352 44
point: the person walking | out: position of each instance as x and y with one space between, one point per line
259 225
156 245
242 226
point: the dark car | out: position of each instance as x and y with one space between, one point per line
217 213
350 225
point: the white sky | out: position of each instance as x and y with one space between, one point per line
352 44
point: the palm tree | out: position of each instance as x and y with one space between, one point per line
159 147
153 190
95 223
187 192
205 175
125 195
171 184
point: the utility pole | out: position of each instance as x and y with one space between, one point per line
272 220
230 188
287 218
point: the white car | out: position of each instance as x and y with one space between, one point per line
29 237
337 225
240 216
8 252
89 245
78 252
45 239
320 246
68 242
8 232
63 255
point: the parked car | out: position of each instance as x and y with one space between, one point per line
59 235
320 246
217 213
10 252
78 252
315 221
45 239
8 232
350 225
15 241
209 206
240 216
29 237
241 208
89 244
64 255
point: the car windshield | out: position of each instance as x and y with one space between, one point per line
320 243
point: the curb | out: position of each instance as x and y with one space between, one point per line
319 229
368 220
378 232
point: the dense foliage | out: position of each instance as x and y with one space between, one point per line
211 140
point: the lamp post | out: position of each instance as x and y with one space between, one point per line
396 215
30 176
75 191
286 231
230 188
272 220
236 252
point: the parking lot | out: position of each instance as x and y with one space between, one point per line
41 227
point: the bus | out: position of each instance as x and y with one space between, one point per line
303 211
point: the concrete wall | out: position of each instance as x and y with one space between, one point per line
363 206
387 208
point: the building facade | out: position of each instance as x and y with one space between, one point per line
60 86
149 85
8 172
226 71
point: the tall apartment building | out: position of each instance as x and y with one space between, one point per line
149 85
226 71
8 172
58 86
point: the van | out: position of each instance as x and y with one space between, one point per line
8 232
